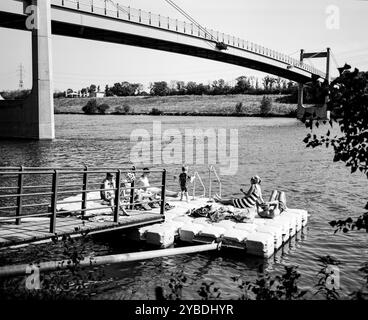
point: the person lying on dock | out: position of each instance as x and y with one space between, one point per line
107 192
145 185
250 199
274 207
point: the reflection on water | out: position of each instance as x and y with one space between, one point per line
271 148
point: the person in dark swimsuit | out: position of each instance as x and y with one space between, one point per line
183 181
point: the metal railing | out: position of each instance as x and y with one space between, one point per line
197 176
212 169
110 9
49 186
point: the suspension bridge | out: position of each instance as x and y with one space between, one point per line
103 20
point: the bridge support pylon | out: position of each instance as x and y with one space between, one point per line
315 112
33 118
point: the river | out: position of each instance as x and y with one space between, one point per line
269 147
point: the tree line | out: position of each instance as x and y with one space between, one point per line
242 85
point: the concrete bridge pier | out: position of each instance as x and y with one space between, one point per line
33 118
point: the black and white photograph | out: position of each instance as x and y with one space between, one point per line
182 150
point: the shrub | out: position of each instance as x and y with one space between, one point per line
266 106
155 112
91 107
102 108
126 108
239 107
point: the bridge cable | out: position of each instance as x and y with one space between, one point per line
335 60
172 3
191 19
117 6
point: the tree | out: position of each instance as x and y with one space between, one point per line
242 85
191 87
348 103
159 88
92 88
108 92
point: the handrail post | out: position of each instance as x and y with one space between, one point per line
163 192
85 188
105 7
92 5
132 192
168 22
159 20
128 12
55 182
176 27
117 10
210 186
185 31
150 18
140 15
78 5
194 186
117 196
19 199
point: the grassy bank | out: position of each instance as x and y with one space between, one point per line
181 105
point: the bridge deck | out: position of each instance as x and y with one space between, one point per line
33 230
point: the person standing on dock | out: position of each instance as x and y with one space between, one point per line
183 180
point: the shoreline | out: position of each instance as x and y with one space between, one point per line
185 114
241 105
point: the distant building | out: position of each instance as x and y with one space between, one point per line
1 98
99 94
72 94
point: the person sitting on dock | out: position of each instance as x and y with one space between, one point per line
251 198
145 185
107 192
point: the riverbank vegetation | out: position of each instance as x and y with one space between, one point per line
225 105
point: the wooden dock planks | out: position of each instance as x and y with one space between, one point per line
12 234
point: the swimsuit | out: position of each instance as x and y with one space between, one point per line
183 178
248 201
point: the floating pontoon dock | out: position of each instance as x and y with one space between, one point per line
71 197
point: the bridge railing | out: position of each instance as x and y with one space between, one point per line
54 192
111 9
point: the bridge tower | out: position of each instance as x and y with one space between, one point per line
314 112
33 118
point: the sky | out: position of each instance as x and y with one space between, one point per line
283 25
